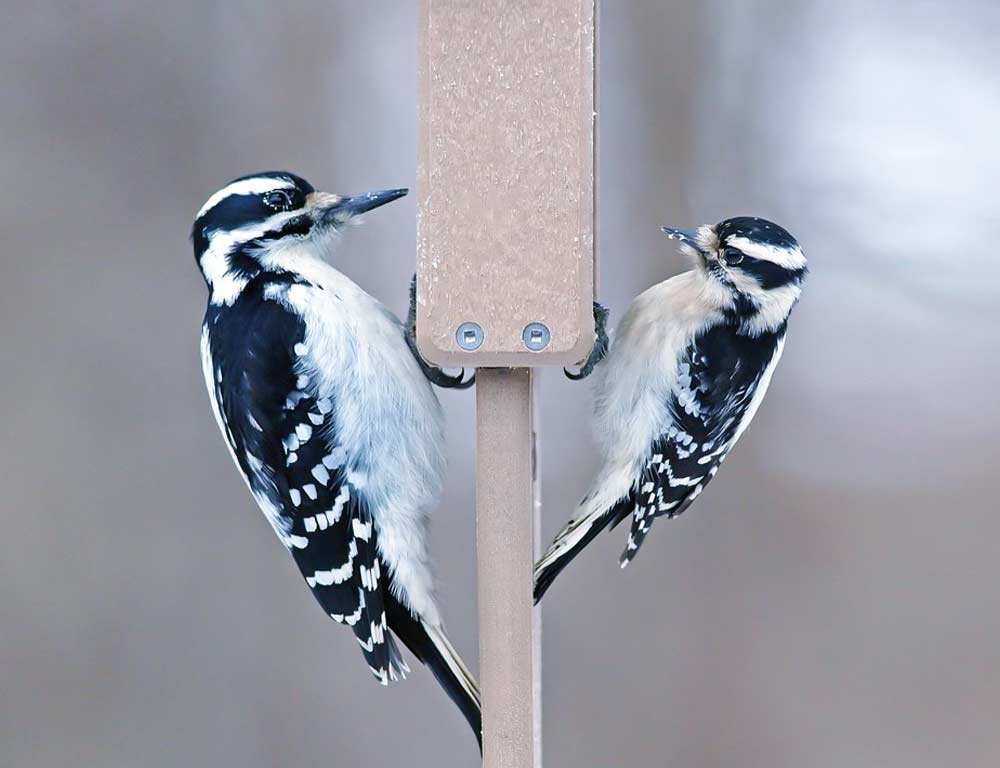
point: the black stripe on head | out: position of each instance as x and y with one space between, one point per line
298 181
756 229
243 265
246 205
300 225
769 274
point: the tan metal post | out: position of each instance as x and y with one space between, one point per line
505 277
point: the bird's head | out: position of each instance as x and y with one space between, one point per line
265 222
753 268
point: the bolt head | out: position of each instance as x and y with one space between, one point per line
469 336
535 336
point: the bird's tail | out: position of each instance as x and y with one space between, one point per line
578 533
430 645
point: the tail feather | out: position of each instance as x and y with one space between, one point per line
431 646
577 534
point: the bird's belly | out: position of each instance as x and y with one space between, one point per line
385 409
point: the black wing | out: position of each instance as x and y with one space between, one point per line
283 435
333 537
717 381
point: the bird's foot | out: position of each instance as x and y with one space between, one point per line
434 375
600 348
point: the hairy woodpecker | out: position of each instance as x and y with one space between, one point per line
328 415
688 367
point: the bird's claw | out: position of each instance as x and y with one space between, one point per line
600 348
434 375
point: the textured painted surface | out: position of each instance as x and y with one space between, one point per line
506 530
505 178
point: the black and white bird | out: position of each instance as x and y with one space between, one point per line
687 370
328 415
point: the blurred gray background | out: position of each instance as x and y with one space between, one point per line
832 599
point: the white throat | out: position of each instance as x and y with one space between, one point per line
299 256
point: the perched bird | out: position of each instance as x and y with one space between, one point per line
687 369
328 415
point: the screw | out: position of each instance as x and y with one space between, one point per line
469 336
536 336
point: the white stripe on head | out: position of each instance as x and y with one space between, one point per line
252 186
214 262
773 308
789 258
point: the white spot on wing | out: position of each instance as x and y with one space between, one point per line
335 459
335 575
353 618
362 530
338 504
321 474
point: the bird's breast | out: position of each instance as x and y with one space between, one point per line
385 408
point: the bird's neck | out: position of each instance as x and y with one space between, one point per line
229 268
755 312
769 310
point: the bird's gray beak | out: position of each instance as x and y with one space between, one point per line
690 244
337 208
358 204
685 236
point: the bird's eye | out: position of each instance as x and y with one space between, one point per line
732 256
279 200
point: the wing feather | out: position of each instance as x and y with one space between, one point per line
721 380
282 431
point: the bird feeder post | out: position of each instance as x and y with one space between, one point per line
506 532
505 282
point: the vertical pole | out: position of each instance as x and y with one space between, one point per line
505 243
506 510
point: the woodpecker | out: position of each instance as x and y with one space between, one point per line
687 370
328 415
